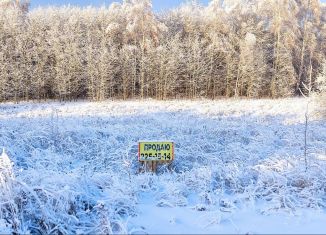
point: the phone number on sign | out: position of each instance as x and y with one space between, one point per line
155 156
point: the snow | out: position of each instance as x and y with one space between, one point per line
239 167
245 221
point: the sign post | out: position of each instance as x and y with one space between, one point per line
152 153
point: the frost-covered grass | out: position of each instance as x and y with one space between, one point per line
76 171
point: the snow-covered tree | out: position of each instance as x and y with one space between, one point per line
228 48
22 5
321 89
308 18
279 16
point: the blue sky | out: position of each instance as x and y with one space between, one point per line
157 4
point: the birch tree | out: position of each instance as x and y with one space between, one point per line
228 48
142 28
280 15
309 19
321 89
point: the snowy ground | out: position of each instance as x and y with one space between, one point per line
239 168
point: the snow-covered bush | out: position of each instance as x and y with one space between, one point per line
61 202
285 184
8 210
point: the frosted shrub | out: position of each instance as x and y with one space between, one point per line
286 185
6 174
64 204
8 208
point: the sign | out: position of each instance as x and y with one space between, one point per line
155 151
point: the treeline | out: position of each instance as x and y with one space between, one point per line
250 48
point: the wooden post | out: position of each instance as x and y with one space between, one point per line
151 166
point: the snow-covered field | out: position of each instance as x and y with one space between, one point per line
239 168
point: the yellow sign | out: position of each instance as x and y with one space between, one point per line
155 151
